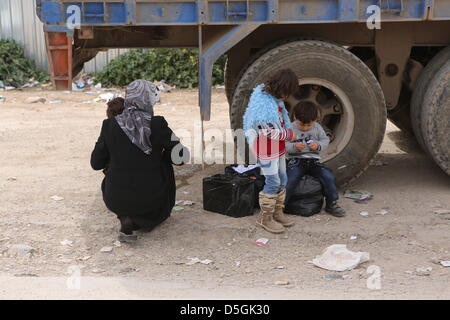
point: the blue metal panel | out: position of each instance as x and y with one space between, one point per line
166 12
117 12
67 5
348 10
396 9
173 12
93 12
131 11
309 11
237 12
51 12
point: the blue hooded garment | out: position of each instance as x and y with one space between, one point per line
262 111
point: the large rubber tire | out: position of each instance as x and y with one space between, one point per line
422 84
436 118
334 64
231 80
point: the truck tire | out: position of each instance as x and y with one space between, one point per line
231 79
353 110
417 100
435 118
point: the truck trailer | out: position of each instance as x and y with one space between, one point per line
360 61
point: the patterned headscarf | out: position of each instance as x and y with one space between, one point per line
140 97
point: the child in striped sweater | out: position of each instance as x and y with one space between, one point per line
267 127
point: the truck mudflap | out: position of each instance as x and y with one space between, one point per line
59 51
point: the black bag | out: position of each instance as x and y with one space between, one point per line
255 175
231 195
307 199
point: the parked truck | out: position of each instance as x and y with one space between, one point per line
360 61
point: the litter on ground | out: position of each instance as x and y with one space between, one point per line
30 84
358 195
262 242
442 211
163 86
445 263
338 258
197 260
66 243
106 249
423 271
281 282
107 96
56 101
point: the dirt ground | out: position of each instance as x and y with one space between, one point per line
45 151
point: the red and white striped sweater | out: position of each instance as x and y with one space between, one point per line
271 142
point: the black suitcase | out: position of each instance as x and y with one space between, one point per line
255 175
230 195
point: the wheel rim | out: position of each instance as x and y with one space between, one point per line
336 113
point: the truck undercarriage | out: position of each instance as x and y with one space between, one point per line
357 76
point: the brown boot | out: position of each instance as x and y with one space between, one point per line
279 214
265 217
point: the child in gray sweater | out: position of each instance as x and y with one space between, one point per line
303 156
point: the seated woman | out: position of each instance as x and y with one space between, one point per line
138 149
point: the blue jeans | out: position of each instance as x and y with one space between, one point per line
297 168
275 173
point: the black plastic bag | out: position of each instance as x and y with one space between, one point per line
255 175
230 195
307 199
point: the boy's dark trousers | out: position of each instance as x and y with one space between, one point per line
297 168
